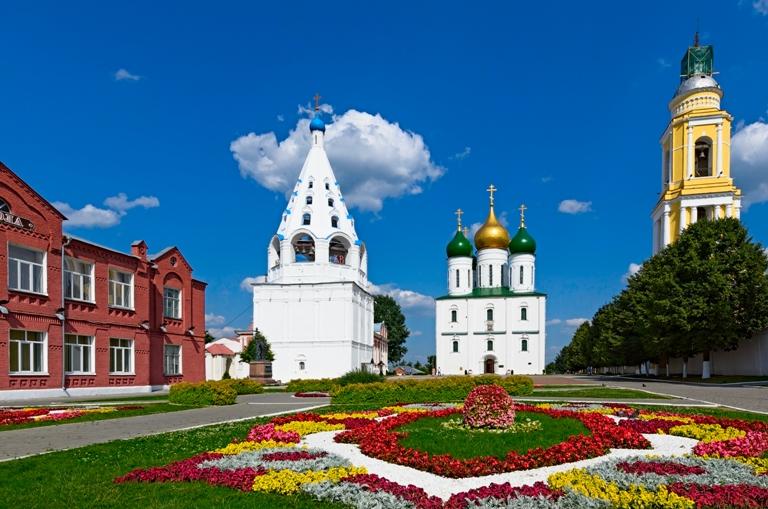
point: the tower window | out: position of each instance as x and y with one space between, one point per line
458 283
524 345
334 222
469 278
302 365
330 202
522 274
490 275
701 214
703 155
523 313
454 316
489 345
311 184
489 315
306 219
327 186
455 346
309 200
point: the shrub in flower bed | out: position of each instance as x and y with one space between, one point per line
243 385
488 406
202 394
448 388
379 440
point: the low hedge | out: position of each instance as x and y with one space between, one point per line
202 394
243 385
448 388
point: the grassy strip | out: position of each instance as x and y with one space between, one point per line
429 435
83 477
716 412
154 408
597 393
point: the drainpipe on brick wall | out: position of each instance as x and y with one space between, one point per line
64 243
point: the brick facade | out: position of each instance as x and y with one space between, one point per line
29 222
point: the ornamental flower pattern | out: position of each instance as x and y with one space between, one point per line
489 406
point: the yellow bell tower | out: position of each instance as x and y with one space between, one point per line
696 181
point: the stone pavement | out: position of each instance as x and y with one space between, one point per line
31 441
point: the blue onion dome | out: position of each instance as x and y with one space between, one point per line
317 124
522 242
459 246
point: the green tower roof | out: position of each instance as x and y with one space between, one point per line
459 246
697 60
522 242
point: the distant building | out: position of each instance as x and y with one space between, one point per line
223 356
407 370
380 359
77 318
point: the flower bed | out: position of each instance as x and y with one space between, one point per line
727 471
11 416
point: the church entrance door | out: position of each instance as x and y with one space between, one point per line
490 366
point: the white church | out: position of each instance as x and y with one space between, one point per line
314 305
492 320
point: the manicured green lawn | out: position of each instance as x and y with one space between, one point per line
82 478
153 408
429 435
716 412
596 393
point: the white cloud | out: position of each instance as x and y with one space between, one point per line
223 332
574 206
463 154
416 333
309 110
554 321
761 6
503 218
91 216
749 160
631 271
663 63
374 159
546 180
123 75
281 118
121 203
575 322
246 284
408 299
214 319
88 216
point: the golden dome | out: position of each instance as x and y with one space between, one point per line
492 235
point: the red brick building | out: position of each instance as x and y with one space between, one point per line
85 318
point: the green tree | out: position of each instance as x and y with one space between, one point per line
258 349
209 337
431 364
387 310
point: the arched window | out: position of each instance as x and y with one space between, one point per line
522 274
469 277
489 345
701 214
489 314
330 202
480 275
311 184
454 316
4 207
304 248
524 345
302 365
523 313
334 222
458 283
703 156
455 346
306 219
309 200
490 275
338 250
327 186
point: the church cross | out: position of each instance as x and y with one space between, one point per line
459 213
491 189
522 209
317 101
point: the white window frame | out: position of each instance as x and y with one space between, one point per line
31 344
165 360
114 285
77 350
121 350
167 300
70 274
14 285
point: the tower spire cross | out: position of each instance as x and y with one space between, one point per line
522 209
459 213
491 189
317 101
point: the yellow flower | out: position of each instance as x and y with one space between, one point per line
351 415
286 482
657 417
707 432
759 464
239 447
308 427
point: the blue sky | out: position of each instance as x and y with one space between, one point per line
549 101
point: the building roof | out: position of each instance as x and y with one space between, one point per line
218 349
480 293
86 241
408 370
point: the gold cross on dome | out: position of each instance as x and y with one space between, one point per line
491 189
317 101
522 209
459 213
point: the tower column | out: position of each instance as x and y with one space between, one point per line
694 214
689 152
665 233
729 210
683 217
719 150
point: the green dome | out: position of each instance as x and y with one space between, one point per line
522 242
459 246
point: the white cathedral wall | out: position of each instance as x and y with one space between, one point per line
507 335
749 359
327 326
